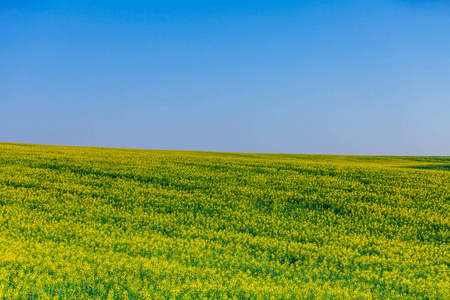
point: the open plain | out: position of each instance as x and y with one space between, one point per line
101 223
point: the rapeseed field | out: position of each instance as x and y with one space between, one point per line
99 223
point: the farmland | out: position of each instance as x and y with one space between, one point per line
100 223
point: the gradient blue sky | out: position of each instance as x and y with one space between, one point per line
325 77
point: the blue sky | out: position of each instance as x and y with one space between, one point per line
325 77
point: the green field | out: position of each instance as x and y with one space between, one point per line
99 223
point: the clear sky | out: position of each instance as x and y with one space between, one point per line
325 77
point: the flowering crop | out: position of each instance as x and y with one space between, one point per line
99 223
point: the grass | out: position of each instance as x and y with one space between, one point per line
99 223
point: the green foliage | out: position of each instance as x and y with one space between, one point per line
95 223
